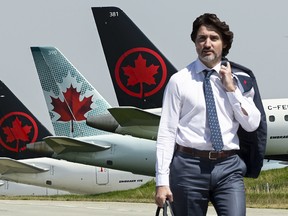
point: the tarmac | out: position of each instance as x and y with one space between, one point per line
76 208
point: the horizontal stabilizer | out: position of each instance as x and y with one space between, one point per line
8 166
132 116
62 144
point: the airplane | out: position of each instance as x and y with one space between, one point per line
65 90
8 188
137 114
18 126
126 57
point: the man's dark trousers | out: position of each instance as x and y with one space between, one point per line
195 181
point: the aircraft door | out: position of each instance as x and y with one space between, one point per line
102 175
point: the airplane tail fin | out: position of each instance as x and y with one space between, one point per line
70 98
18 127
139 71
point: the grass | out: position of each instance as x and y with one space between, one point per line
270 190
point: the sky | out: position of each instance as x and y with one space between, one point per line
260 40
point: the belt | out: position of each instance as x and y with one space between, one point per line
212 155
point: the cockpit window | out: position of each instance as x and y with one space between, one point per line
286 117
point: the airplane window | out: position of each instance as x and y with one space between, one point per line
109 162
286 117
271 118
48 182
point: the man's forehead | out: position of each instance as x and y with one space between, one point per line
208 29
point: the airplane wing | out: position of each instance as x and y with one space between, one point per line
132 116
8 165
62 144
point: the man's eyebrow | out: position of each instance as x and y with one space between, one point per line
210 35
201 35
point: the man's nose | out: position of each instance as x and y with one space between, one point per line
207 42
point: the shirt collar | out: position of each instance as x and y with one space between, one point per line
200 67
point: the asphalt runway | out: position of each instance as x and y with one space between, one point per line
76 208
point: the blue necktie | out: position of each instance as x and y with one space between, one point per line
216 136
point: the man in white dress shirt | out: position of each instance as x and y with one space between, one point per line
189 171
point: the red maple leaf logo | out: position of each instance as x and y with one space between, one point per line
18 128
72 108
140 73
17 131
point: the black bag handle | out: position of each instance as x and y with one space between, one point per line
165 209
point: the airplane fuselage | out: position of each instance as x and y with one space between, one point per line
9 188
127 153
277 128
75 177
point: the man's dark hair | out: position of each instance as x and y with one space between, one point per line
211 20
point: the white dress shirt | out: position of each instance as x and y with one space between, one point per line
184 121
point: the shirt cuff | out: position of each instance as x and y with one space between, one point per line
162 180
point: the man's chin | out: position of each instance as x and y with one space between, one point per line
208 60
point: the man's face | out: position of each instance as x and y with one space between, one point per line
209 46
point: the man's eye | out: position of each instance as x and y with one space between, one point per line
214 38
201 39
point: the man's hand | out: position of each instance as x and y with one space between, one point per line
227 78
163 193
